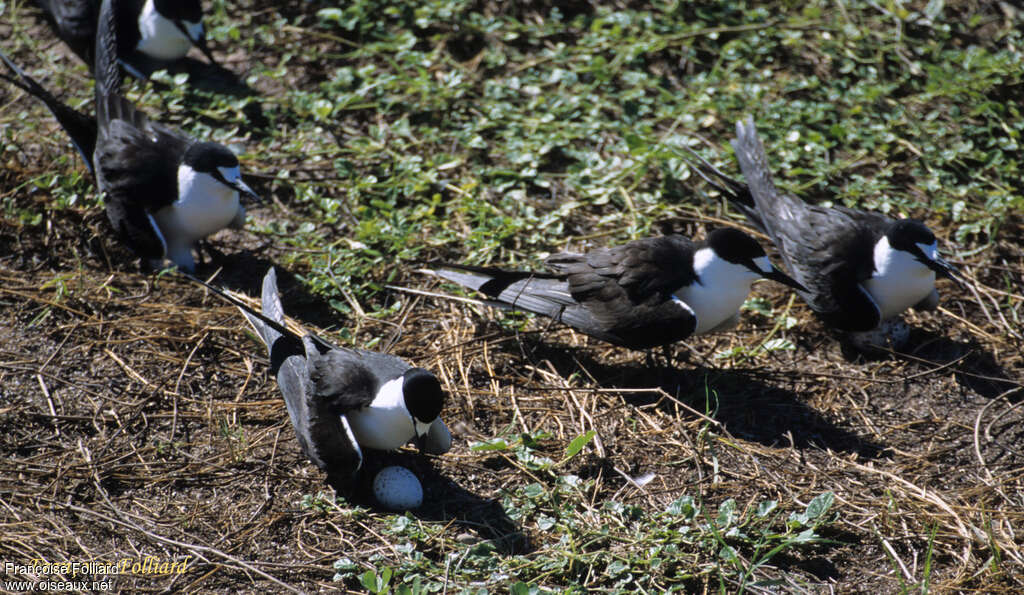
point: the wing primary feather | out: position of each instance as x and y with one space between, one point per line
540 293
81 128
107 70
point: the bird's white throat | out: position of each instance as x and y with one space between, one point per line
384 424
721 289
900 280
205 204
160 38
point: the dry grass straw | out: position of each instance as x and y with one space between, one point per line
140 421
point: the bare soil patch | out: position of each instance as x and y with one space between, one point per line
139 420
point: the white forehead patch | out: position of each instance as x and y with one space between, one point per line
930 250
195 30
231 174
763 264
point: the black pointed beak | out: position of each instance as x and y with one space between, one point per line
244 190
944 269
780 277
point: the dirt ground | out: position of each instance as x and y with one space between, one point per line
139 420
139 417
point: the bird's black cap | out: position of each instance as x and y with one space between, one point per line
180 10
906 234
423 395
207 157
734 245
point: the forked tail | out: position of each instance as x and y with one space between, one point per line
80 127
750 154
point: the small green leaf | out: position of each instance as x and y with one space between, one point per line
759 305
726 513
370 582
521 588
493 444
806 536
728 553
533 491
683 506
578 443
617 567
820 505
765 508
635 142
330 14
778 344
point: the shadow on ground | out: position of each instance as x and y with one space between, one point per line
444 501
740 399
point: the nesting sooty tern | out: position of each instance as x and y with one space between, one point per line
150 33
642 294
859 268
163 190
343 400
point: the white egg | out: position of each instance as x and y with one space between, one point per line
397 488
890 334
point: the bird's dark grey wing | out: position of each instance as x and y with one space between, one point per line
772 208
540 293
598 294
877 223
650 268
112 108
384 365
349 378
324 436
827 250
80 127
136 168
106 66
627 290
321 432
832 256
634 325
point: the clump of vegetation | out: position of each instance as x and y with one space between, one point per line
386 133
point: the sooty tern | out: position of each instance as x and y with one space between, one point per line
642 294
150 33
163 191
860 268
343 400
